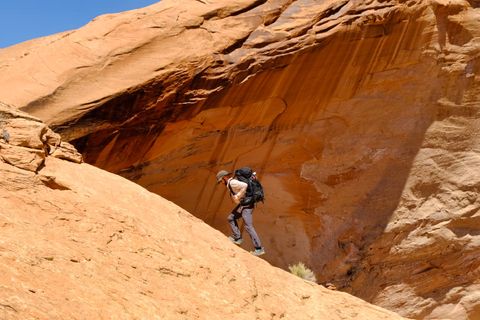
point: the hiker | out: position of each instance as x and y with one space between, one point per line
238 190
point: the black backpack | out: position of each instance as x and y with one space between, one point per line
254 190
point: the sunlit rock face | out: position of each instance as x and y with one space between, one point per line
360 118
80 242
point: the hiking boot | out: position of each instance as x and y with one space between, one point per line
238 241
258 252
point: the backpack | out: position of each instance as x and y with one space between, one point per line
255 191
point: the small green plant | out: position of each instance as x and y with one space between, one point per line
300 270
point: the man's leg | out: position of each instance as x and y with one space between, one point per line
248 219
232 221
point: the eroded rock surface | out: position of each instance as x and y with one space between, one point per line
77 242
361 118
26 141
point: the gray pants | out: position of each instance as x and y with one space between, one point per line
246 214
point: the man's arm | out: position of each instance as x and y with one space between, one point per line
239 188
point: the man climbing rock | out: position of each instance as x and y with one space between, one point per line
238 190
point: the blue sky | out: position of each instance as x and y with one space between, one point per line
21 20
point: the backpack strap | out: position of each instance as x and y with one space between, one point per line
249 191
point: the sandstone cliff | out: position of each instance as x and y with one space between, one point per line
77 242
361 118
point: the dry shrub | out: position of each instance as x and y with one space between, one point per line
300 270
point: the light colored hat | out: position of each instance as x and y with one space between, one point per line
221 174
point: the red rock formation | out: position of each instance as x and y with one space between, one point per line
360 117
26 141
77 242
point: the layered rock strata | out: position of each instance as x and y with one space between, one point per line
77 242
359 116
